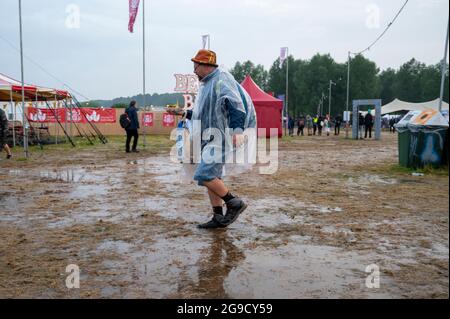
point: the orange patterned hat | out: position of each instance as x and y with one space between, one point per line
205 57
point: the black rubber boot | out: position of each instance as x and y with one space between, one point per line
235 207
215 222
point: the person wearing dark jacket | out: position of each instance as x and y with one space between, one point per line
360 125
320 124
4 133
301 125
291 124
391 125
132 129
368 123
337 124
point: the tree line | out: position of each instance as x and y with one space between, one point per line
150 99
309 82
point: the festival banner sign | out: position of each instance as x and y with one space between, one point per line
40 115
168 120
75 116
133 6
99 115
147 119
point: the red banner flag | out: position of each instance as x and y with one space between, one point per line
46 115
147 119
168 120
75 116
99 115
133 8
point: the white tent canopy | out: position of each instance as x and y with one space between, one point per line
398 106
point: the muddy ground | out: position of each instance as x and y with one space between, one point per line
334 207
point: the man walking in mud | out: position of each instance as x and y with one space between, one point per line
222 105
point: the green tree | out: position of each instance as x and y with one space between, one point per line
258 74
387 80
363 79
120 105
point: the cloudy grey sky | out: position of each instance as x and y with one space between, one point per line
102 60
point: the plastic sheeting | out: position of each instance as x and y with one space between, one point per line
210 135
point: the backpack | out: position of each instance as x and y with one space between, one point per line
124 121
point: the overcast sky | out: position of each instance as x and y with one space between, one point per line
102 60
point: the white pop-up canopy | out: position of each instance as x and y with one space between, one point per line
399 106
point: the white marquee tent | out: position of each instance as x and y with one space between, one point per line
399 106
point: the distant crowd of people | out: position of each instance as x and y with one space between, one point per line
314 124
318 124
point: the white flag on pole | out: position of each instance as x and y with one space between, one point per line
283 54
205 39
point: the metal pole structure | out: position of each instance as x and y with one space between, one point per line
70 117
287 90
143 60
24 126
329 97
36 106
348 93
443 69
320 105
209 42
13 105
56 115
65 119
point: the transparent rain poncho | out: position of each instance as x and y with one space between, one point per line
213 153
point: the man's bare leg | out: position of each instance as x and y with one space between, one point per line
216 203
235 205
217 187
215 200
7 149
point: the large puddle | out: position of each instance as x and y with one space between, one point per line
280 247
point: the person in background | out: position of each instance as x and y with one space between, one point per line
132 129
361 125
291 124
368 124
320 125
301 125
309 124
391 124
4 134
327 125
337 124
315 123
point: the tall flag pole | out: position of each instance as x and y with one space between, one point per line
143 62
348 95
284 56
443 67
133 10
24 125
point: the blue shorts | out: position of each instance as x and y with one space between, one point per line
206 172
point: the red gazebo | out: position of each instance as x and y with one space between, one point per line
268 109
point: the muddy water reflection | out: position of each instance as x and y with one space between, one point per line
217 261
